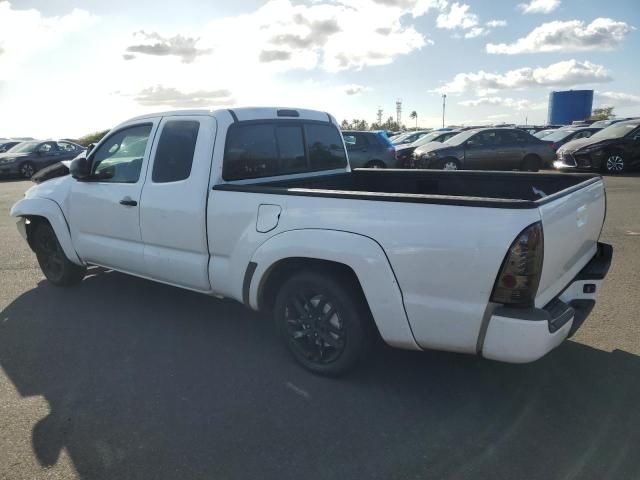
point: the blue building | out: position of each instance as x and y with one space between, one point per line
570 105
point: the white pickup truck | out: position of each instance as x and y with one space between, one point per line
260 205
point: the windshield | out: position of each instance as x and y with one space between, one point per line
543 133
617 130
399 138
558 135
429 137
25 147
461 137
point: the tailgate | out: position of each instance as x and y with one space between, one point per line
571 225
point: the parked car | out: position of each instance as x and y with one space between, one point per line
369 149
608 123
27 158
408 137
259 205
564 135
614 149
6 145
486 149
533 129
404 153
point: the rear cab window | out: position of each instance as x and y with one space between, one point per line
272 148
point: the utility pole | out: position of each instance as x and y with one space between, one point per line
444 103
399 112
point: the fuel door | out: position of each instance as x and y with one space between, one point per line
268 217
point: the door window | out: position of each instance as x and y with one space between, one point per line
119 158
174 155
46 148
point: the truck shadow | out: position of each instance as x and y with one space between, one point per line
149 381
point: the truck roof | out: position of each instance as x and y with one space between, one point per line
248 113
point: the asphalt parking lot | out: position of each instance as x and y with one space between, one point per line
124 378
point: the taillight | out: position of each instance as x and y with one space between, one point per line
519 276
394 152
554 147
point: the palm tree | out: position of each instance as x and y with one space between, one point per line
414 115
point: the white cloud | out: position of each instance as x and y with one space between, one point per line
517 104
539 6
458 16
566 73
171 97
569 36
617 99
496 23
475 32
354 89
26 32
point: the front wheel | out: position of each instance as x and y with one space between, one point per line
323 322
375 164
55 265
27 169
614 163
448 164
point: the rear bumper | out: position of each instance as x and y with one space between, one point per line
520 335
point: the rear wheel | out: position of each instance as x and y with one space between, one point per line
614 163
27 169
58 269
530 163
323 322
375 164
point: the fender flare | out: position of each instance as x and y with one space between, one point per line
362 254
43 207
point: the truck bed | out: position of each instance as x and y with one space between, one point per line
471 188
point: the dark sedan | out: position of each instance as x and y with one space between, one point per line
404 153
486 149
6 145
564 135
27 158
615 149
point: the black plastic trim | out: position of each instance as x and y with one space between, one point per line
599 265
246 283
233 114
287 113
556 313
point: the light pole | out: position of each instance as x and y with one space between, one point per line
444 102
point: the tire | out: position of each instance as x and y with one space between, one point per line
57 268
448 164
375 164
323 322
530 163
27 169
614 163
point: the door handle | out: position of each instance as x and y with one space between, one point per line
128 202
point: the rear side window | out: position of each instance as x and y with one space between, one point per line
269 149
174 155
324 144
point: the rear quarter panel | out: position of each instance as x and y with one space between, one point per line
445 257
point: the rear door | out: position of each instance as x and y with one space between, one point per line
571 226
172 205
510 150
358 148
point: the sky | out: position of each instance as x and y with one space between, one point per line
71 67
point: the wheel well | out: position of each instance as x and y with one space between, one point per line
442 161
31 222
277 274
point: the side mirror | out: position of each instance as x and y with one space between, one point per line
471 143
90 147
80 168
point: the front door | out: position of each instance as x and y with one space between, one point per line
104 210
481 151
